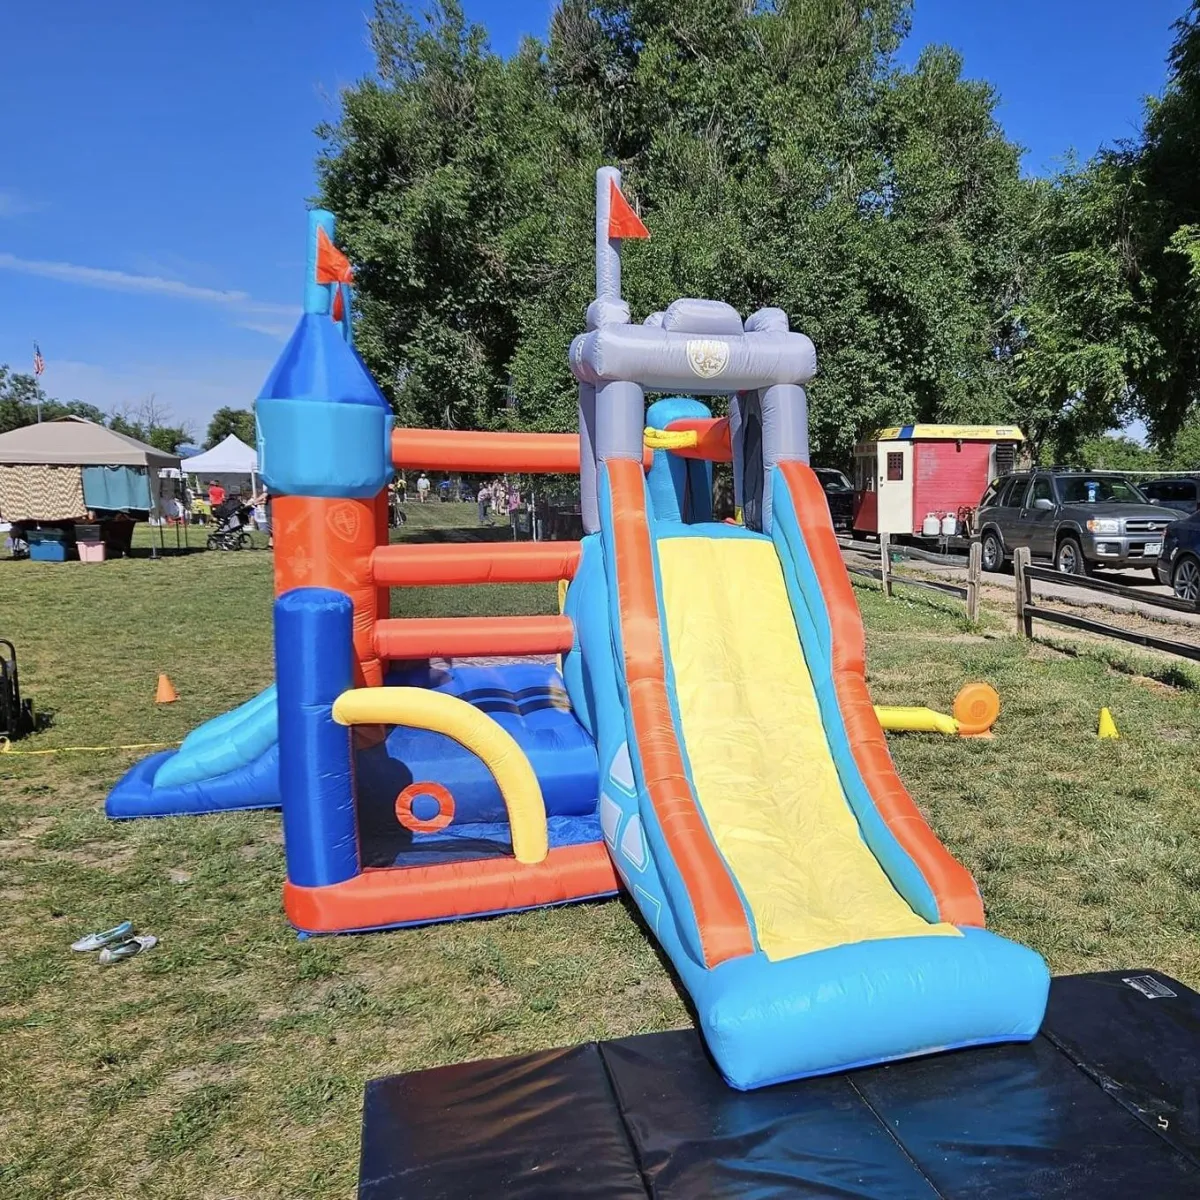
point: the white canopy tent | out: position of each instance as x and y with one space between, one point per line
231 457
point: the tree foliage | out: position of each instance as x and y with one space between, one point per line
238 421
780 154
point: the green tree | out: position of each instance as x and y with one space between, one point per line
20 396
778 153
1081 337
238 421
1116 452
151 423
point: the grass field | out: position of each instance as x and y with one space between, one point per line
230 1061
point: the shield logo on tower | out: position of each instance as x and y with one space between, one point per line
707 357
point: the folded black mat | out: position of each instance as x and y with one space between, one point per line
1105 1102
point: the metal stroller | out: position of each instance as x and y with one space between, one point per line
16 715
233 518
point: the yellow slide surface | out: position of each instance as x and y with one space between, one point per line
761 764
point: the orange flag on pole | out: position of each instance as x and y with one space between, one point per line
332 265
623 222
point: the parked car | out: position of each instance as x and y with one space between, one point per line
1079 520
839 495
1182 493
1178 565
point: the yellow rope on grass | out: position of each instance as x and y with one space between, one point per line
6 748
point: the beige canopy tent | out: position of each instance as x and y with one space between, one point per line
42 470
75 442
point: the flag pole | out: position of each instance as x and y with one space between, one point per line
39 365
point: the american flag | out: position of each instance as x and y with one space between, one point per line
39 363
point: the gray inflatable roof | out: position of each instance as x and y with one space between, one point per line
696 346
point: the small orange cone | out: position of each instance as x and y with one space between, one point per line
166 693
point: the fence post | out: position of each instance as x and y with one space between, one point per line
1021 560
885 563
974 567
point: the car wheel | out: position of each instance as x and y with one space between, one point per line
992 552
1068 558
1185 579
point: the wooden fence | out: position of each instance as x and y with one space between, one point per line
891 555
1028 610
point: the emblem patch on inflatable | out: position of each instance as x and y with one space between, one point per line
707 357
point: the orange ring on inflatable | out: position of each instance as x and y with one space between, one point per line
409 819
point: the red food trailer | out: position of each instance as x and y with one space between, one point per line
926 480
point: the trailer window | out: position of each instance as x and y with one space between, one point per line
895 467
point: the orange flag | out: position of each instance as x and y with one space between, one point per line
623 222
332 265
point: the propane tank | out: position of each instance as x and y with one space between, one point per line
949 525
931 526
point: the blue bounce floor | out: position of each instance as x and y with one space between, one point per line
529 701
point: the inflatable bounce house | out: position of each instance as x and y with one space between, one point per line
709 745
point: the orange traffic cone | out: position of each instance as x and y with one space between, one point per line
166 693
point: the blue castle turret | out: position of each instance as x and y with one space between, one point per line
323 425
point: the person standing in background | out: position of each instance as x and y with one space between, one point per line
482 499
422 487
216 494
401 488
262 515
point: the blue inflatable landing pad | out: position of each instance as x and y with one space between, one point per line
1101 1105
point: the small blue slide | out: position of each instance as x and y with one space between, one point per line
228 763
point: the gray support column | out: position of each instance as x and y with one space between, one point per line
589 502
620 420
608 252
784 435
735 442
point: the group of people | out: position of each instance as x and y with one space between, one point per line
495 498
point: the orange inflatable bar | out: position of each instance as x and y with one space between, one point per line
483 453
470 450
713 442
953 887
378 898
462 637
450 564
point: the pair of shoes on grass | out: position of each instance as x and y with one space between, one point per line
116 944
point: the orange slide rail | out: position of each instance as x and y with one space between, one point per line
462 637
484 453
723 926
953 887
451 564
713 440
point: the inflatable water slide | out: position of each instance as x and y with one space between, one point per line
709 746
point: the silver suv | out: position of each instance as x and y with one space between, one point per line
1079 519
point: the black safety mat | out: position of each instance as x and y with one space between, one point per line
1104 1103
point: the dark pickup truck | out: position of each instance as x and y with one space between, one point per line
1079 520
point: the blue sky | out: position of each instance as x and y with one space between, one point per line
155 160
